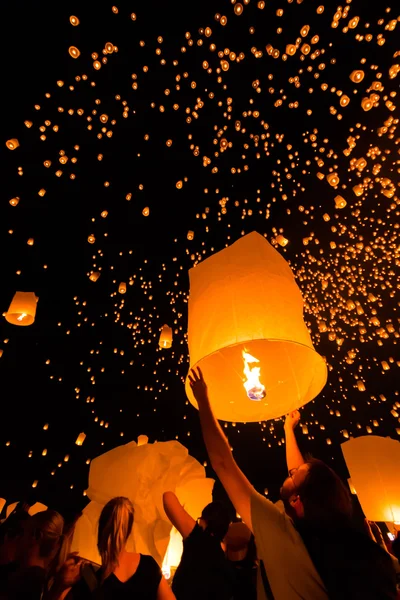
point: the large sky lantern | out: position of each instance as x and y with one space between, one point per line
246 333
142 472
22 310
373 463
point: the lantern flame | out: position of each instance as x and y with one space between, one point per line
252 384
21 317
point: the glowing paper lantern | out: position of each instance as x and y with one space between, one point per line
22 309
165 340
12 144
80 439
244 299
94 276
373 462
122 287
143 473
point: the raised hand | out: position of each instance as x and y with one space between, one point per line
198 385
292 420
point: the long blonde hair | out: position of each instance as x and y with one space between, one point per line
48 529
115 526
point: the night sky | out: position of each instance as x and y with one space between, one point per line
218 119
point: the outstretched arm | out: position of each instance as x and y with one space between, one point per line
178 516
234 481
294 457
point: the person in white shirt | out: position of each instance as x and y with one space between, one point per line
314 518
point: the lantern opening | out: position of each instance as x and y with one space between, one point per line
252 384
21 317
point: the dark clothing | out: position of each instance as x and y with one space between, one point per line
350 564
5 571
143 585
204 572
26 584
245 579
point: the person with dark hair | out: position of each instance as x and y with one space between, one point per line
308 551
204 571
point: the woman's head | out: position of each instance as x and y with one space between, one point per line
216 520
314 492
115 527
44 537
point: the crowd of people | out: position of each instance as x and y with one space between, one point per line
304 547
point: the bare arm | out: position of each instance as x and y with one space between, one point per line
294 457
178 516
234 481
164 592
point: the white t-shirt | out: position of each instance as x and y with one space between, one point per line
289 568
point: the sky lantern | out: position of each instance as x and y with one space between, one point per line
22 309
142 473
12 144
373 463
122 287
165 340
247 334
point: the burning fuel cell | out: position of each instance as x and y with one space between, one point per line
252 384
253 347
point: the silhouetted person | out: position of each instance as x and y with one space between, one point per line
204 571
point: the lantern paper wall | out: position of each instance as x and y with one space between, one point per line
22 309
165 337
142 473
245 298
373 463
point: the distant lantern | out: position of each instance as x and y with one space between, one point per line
22 309
165 340
80 439
91 239
358 189
340 202
372 462
291 49
74 20
14 201
146 211
246 333
12 144
190 235
357 76
74 52
142 440
94 276
282 241
333 179
122 287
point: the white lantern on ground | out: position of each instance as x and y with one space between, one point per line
246 332
22 309
373 463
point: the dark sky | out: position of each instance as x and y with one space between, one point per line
287 128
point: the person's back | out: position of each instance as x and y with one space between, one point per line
125 574
136 576
204 571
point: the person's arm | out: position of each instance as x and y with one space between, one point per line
234 481
164 592
294 457
66 578
178 516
